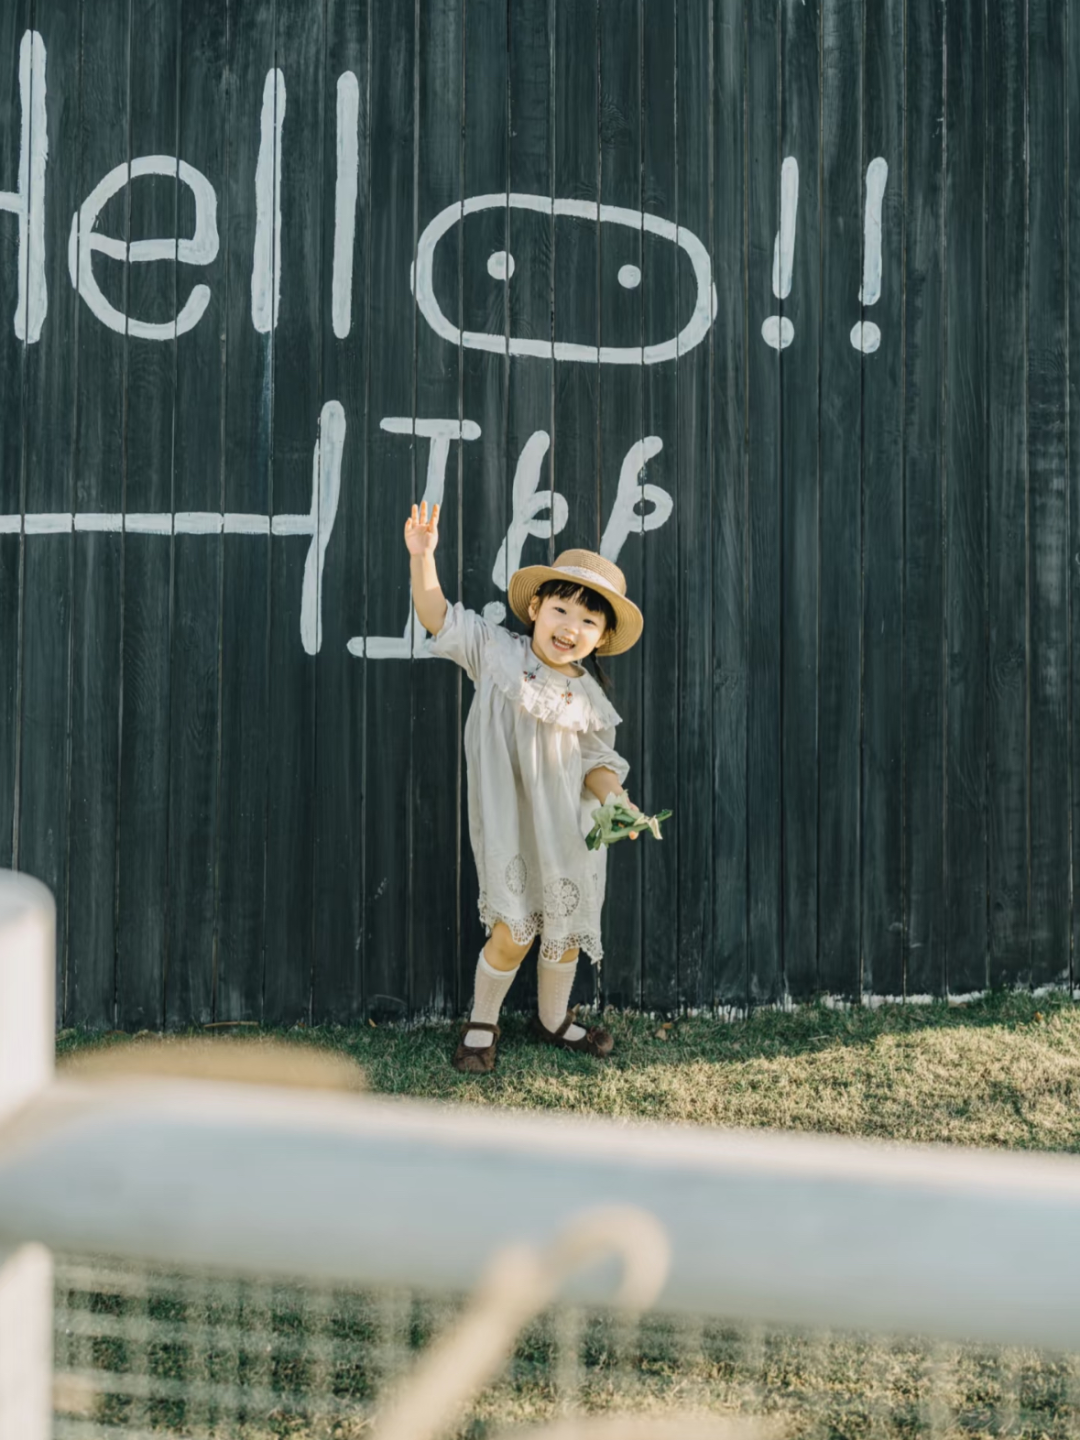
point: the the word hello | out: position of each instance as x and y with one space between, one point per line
201 248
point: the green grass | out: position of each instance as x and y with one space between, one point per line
1003 1071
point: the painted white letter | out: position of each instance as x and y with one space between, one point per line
28 202
422 271
266 263
528 502
201 249
325 489
348 163
440 433
624 519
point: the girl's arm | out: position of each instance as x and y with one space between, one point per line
602 782
421 538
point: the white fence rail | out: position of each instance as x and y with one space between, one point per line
957 1244
376 1191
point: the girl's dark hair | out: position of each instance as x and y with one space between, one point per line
593 602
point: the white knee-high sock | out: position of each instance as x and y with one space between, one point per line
489 991
554 981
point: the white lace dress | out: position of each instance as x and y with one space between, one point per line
532 736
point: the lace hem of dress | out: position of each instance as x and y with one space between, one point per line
522 931
572 703
552 951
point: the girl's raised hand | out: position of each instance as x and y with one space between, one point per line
422 533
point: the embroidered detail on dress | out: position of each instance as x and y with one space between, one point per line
561 898
572 703
532 674
517 875
554 949
522 930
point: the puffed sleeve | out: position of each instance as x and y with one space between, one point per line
598 749
463 638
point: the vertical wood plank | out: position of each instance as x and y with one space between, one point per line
660 584
800 126
529 381
392 463
50 398
763 719
433 874
155 293
14 20
577 281
297 403
529 234
923 702
485 377
1072 50
883 522
10 609
694 199
731 335
245 597
1048 564
841 440
340 835
1008 838
199 484
97 629
621 426
965 503
576 272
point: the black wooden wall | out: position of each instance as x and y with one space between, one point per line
858 674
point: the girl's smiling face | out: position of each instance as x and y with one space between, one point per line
564 631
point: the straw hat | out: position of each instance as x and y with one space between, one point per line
594 572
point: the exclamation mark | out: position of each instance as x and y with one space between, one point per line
865 335
778 330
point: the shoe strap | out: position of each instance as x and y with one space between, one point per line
481 1025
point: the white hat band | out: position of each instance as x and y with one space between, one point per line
590 575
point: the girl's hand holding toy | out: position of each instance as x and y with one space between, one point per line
618 818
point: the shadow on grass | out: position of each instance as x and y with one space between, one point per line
413 1059
393 1053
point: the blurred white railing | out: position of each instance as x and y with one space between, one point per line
27 964
776 1228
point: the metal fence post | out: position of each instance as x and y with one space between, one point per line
27 1023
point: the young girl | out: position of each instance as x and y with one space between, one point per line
539 745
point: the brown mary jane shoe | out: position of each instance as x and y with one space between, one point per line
595 1041
476 1059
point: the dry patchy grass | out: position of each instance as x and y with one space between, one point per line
1004 1071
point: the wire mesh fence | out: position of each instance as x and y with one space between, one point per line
147 1351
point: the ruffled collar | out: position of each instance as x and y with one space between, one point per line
573 702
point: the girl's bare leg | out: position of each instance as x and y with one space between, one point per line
502 952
